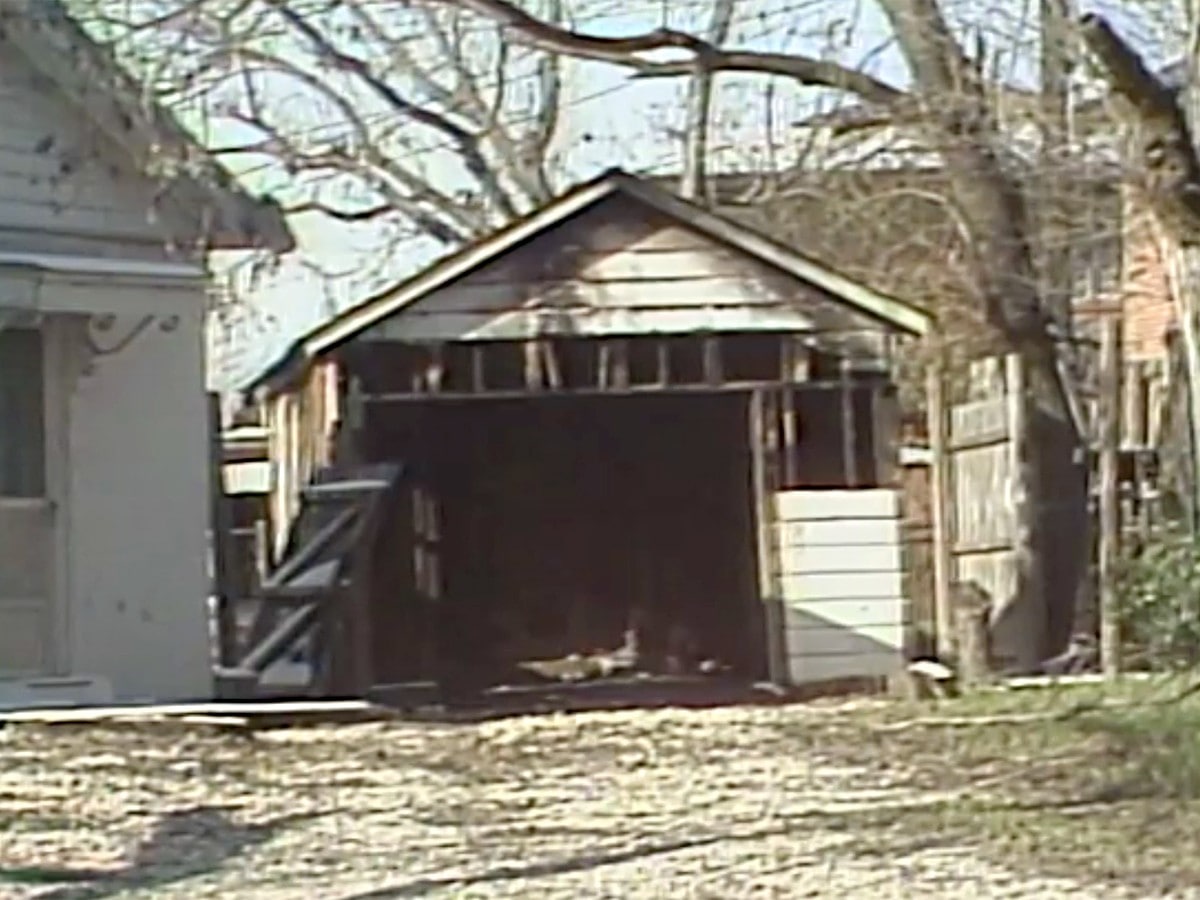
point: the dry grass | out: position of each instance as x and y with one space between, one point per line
799 801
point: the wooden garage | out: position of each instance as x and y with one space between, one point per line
630 438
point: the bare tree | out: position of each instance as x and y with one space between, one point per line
437 119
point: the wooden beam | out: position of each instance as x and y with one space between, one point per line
550 365
1110 516
791 430
940 494
620 363
435 369
849 426
651 388
221 527
533 366
800 360
713 364
767 540
478 368
603 364
885 433
262 549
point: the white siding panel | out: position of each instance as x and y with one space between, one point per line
817 506
849 612
821 586
866 639
809 669
837 533
723 290
840 583
814 558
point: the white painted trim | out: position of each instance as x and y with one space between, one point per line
59 366
27 503
33 289
100 265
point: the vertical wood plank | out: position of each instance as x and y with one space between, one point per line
713 374
551 367
221 542
663 360
262 549
533 366
1110 522
849 430
777 668
603 364
435 369
940 500
620 355
885 435
478 369
791 431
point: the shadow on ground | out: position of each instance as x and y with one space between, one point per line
601 858
183 844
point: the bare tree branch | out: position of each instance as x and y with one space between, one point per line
468 144
1171 171
541 134
343 215
699 106
625 52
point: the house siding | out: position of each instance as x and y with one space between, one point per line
138 509
61 192
127 427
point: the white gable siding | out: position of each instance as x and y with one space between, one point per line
58 191
617 269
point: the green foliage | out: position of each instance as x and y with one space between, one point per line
1159 593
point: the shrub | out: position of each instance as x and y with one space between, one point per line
1159 595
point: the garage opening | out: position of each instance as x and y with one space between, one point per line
570 532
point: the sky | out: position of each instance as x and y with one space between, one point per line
610 119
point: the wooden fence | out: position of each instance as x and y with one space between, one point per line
980 505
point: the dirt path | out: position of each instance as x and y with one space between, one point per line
715 804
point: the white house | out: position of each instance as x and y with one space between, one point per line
106 210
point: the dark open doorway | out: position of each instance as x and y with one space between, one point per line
563 522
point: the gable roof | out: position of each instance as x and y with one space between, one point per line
893 313
53 44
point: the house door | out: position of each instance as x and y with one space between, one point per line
26 511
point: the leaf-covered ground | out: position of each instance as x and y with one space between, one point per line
819 800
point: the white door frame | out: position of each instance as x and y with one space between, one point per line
52 622
60 351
